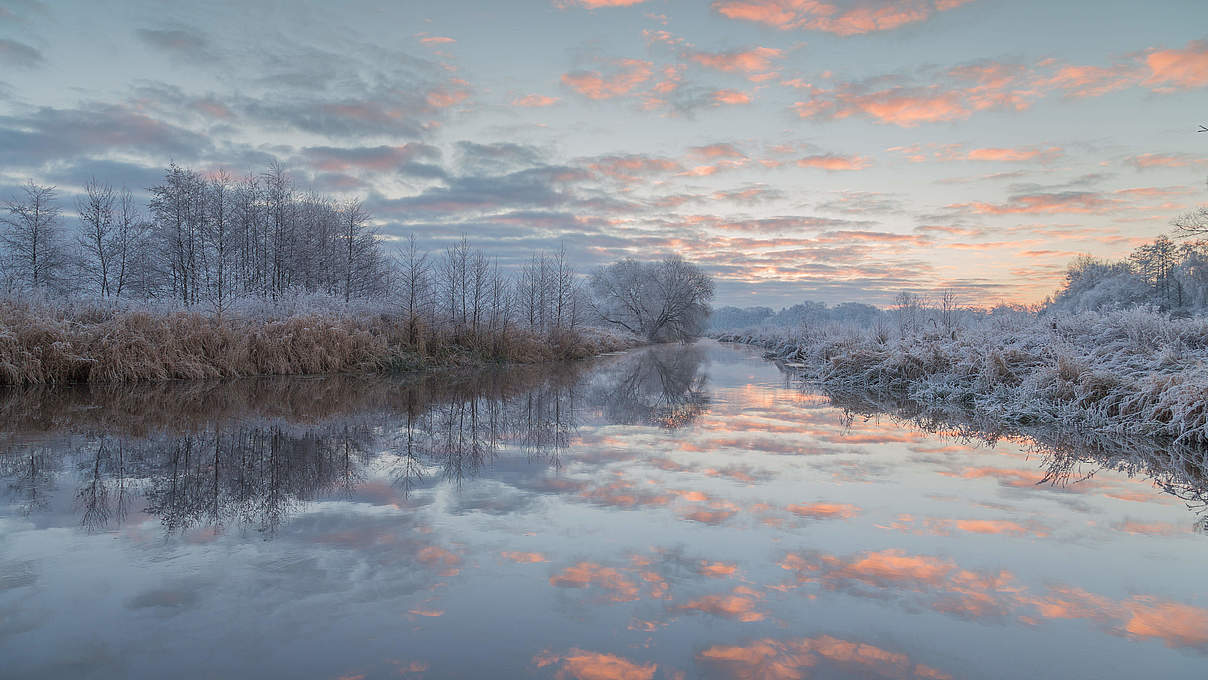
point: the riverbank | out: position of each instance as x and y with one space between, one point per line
1134 372
57 343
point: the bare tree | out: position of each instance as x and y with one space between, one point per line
660 301
415 278
33 238
96 235
353 220
949 308
907 309
218 246
1194 223
129 235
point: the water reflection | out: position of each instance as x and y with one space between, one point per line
250 452
1069 457
668 513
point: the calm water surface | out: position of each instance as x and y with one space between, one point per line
668 513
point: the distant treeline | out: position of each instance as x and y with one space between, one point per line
1168 275
1165 275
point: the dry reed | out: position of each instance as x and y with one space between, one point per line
47 343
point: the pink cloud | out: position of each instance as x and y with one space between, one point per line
452 94
632 167
903 106
756 62
630 73
534 101
720 150
731 97
818 15
579 664
596 4
1179 69
1088 81
834 162
1013 155
824 510
1147 161
1085 202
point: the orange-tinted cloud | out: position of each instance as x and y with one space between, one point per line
1147 161
731 97
1013 155
819 15
579 664
824 510
902 106
739 605
720 150
1176 624
1088 81
717 569
632 167
1083 202
587 574
833 162
448 95
534 101
627 76
1178 69
770 659
756 63
523 557
944 527
439 558
1150 528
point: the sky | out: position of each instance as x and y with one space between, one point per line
835 150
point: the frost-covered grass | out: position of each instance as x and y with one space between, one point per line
54 341
1132 372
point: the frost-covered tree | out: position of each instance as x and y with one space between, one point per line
33 238
659 301
96 235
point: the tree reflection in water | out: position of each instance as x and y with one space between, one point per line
251 452
1068 456
662 386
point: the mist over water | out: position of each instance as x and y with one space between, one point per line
675 511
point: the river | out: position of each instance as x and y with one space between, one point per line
672 512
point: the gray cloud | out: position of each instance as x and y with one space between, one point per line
19 54
54 134
180 43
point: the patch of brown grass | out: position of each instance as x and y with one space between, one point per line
44 344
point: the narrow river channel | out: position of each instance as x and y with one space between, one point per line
672 512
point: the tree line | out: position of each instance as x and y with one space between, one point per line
201 239
1169 275
211 240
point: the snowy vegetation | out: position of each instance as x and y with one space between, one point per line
1120 350
1129 372
219 277
1167 275
665 301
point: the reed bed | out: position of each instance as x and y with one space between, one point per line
44 342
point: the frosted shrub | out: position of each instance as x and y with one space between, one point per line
1134 371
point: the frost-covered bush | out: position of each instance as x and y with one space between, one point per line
1135 371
